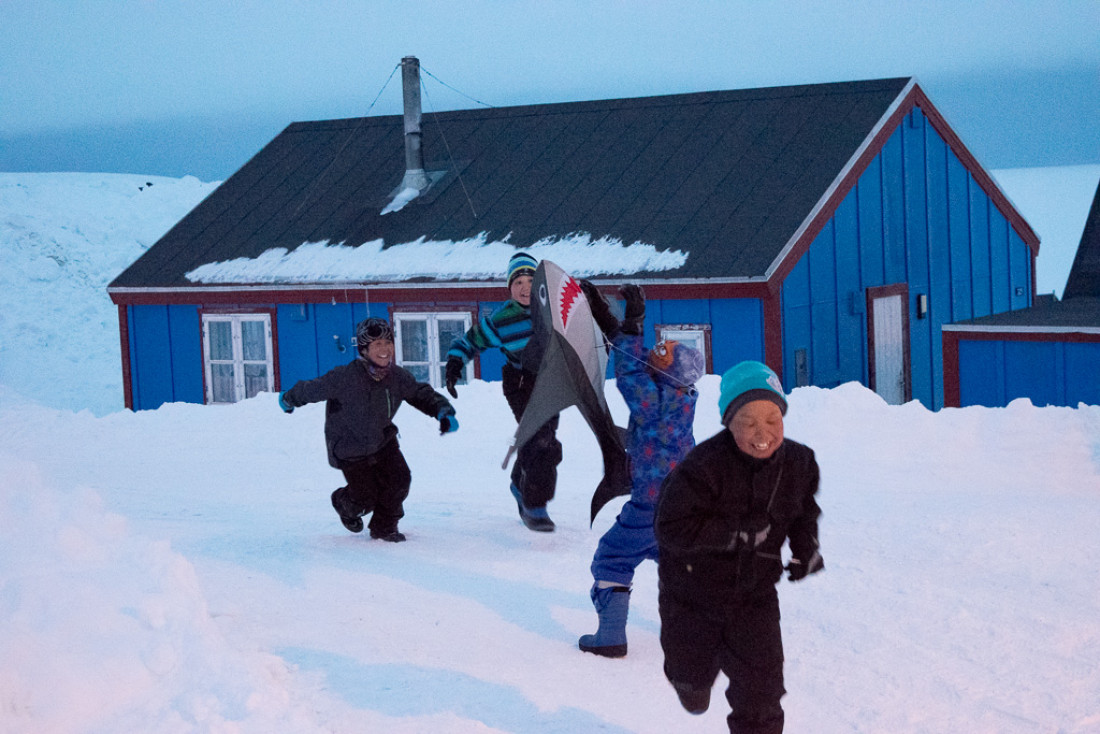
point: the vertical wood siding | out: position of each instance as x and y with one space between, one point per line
993 372
916 216
165 355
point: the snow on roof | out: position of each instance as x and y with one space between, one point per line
470 259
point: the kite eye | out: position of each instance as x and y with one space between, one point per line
660 349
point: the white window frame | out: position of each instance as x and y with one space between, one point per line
694 335
238 361
437 357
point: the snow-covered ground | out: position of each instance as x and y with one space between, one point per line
181 570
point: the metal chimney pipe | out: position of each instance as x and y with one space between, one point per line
415 177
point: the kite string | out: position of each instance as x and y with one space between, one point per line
646 362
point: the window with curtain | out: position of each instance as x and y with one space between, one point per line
237 356
422 341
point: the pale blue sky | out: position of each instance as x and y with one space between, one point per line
196 87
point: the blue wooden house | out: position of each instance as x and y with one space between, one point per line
1049 353
830 230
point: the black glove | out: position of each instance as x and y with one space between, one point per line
798 569
447 421
634 316
601 312
454 374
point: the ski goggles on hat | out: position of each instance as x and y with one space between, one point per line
373 330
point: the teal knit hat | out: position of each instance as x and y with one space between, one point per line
521 264
746 382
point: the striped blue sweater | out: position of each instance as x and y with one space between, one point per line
508 328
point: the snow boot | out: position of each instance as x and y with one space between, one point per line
694 700
535 518
352 521
390 536
610 639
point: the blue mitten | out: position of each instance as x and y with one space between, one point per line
287 407
447 421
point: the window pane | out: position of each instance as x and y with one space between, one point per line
255 379
414 341
254 340
222 379
449 330
419 371
221 339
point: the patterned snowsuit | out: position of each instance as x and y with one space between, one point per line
659 435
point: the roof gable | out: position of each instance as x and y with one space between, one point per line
1084 276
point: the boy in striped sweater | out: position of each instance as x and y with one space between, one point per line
508 328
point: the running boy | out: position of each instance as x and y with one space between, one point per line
722 519
361 400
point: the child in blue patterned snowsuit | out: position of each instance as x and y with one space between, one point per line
658 387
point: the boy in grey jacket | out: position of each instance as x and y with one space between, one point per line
361 400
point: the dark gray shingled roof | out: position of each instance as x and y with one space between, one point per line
727 176
1084 276
1081 312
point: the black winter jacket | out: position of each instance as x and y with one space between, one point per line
359 412
716 493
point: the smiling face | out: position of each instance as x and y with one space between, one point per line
521 289
757 428
380 351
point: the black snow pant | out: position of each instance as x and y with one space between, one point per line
378 484
535 473
741 640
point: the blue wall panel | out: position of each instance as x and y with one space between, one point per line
980 246
1032 370
981 373
893 209
185 329
335 330
1082 365
165 355
824 302
737 332
297 330
958 226
1001 295
1020 271
151 358
994 373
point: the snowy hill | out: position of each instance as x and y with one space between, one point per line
181 570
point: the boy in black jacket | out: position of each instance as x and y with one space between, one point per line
362 398
723 516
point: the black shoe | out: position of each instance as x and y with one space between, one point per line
539 522
390 536
351 522
694 700
535 518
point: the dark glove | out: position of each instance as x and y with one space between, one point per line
447 421
634 315
601 312
454 374
798 569
284 404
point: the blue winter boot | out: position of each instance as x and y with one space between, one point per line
610 639
535 518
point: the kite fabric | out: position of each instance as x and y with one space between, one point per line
568 354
